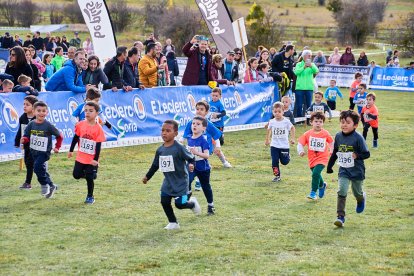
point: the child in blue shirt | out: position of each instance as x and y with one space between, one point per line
360 98
330 94
50 68
199 146
217 111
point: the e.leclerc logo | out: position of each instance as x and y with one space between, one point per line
10 116
191 103
139 108
72 105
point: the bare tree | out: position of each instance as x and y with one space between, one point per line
56 13
154 11
27 13
121 15
73 13
8 10
404 37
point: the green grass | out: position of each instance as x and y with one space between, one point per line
260 227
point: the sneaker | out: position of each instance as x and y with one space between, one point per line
276 179
210 210
52 191
227 164
172 226
340 221
44 190
196 209
89 200
361 205
197 186
322 190
312 195
25 186
375 144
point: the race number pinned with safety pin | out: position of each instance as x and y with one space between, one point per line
318 108
87 146
279 133
345 159
38 143
166 163
317 144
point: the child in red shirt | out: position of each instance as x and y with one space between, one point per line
320 145
353 89
89 135
369 115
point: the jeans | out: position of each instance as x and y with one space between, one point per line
303 100
40 168
28 161
357 190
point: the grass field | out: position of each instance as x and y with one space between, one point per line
259 228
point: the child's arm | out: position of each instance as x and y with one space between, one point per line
75 141
339 93
292 135
332 160
59 140
205 154
362 152
326 94
18 134
268 136
26 137
327 109
153 169
301 150
95 161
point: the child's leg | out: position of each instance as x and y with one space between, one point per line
182 202
28 161
191 176
351 103
222 135
78 170
343 184
331 104
375 133
204 178
284 156
221 156
168 210
365 131
40 169
357 189
275 153
317 176
90 175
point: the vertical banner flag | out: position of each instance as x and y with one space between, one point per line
96 16
219 23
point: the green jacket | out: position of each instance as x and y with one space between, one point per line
304 80
58 61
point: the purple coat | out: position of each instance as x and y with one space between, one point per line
192 71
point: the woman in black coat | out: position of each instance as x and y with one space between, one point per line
363 59
18 65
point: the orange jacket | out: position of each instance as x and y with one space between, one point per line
148 71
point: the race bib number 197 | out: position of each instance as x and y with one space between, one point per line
166 163
345 159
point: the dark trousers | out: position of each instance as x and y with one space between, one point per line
181 202
331 104
222 135
40 168
303 100
28 161
279 155
88 172
351 103
374 131
204 178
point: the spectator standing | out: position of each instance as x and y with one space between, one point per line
168 47
140 47
335 57
389 56
6 41
50 69
363 59
272 53
174 71
148 67
76 41
283 62
259 50
163 75
231 67
114 70
347 58
18 65
252 75
199 62
36 73
88 46
214 50
264 57
319 59
38 42
51 45
28 41
131 77
71 52
63 43
238 58
17 41
396 59
217 70
46 40
58 59
94 74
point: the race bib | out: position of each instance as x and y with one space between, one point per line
332 93
87 146
279 133
362 103
38 143
367 118
198 149
345 159
318 108
166 163
213 120
317 144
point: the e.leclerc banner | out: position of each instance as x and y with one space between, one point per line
343 74
98 20
138 115
399 79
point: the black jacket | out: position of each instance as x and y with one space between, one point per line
282 64
16 72
131 77
7 42
114 70
95 77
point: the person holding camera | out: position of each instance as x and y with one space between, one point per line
198 70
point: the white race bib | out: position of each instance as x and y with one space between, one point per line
362 103
166 163
317 144
279 133
87 146
318 108
213 120
332 93
345 159
38 143
367 118
198 149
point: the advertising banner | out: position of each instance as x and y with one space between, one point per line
4 58
137 116
344 75
399 79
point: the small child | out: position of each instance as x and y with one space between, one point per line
24 86
330 94
39 134
92 95
24 120
50 69
360 98
287 101
369 115
7 86
278 130
350 149
263 73
217 111
58 59
89 135
199 146
171 158
353 89
319 106
251 72
319 143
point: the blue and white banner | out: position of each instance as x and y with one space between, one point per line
138 115
344 75
4 58
393 79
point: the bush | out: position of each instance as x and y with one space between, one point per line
121 16
27 13
73 13
56 13
404 37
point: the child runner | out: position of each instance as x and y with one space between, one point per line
278 130
318 105
171 158
89 135
287 101
350 149
199 146
369 115
360 98
353 89
330 94
39 134
24 120
217 111
319 143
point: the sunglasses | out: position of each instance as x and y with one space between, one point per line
13 54
238 53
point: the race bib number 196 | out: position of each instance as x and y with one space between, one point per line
166 163
38 143
317 144
345 159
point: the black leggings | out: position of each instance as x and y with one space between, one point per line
180 202
88 172
351 103
374 131
28 161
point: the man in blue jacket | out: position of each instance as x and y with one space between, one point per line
69 77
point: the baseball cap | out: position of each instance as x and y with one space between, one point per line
76 33
231 52
7 33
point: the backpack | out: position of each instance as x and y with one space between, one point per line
284 84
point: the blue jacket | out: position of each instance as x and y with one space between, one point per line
68 78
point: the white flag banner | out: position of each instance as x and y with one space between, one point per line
240 33
96 16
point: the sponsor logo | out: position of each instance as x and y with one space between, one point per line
191 103
10 116
139 108
211 14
